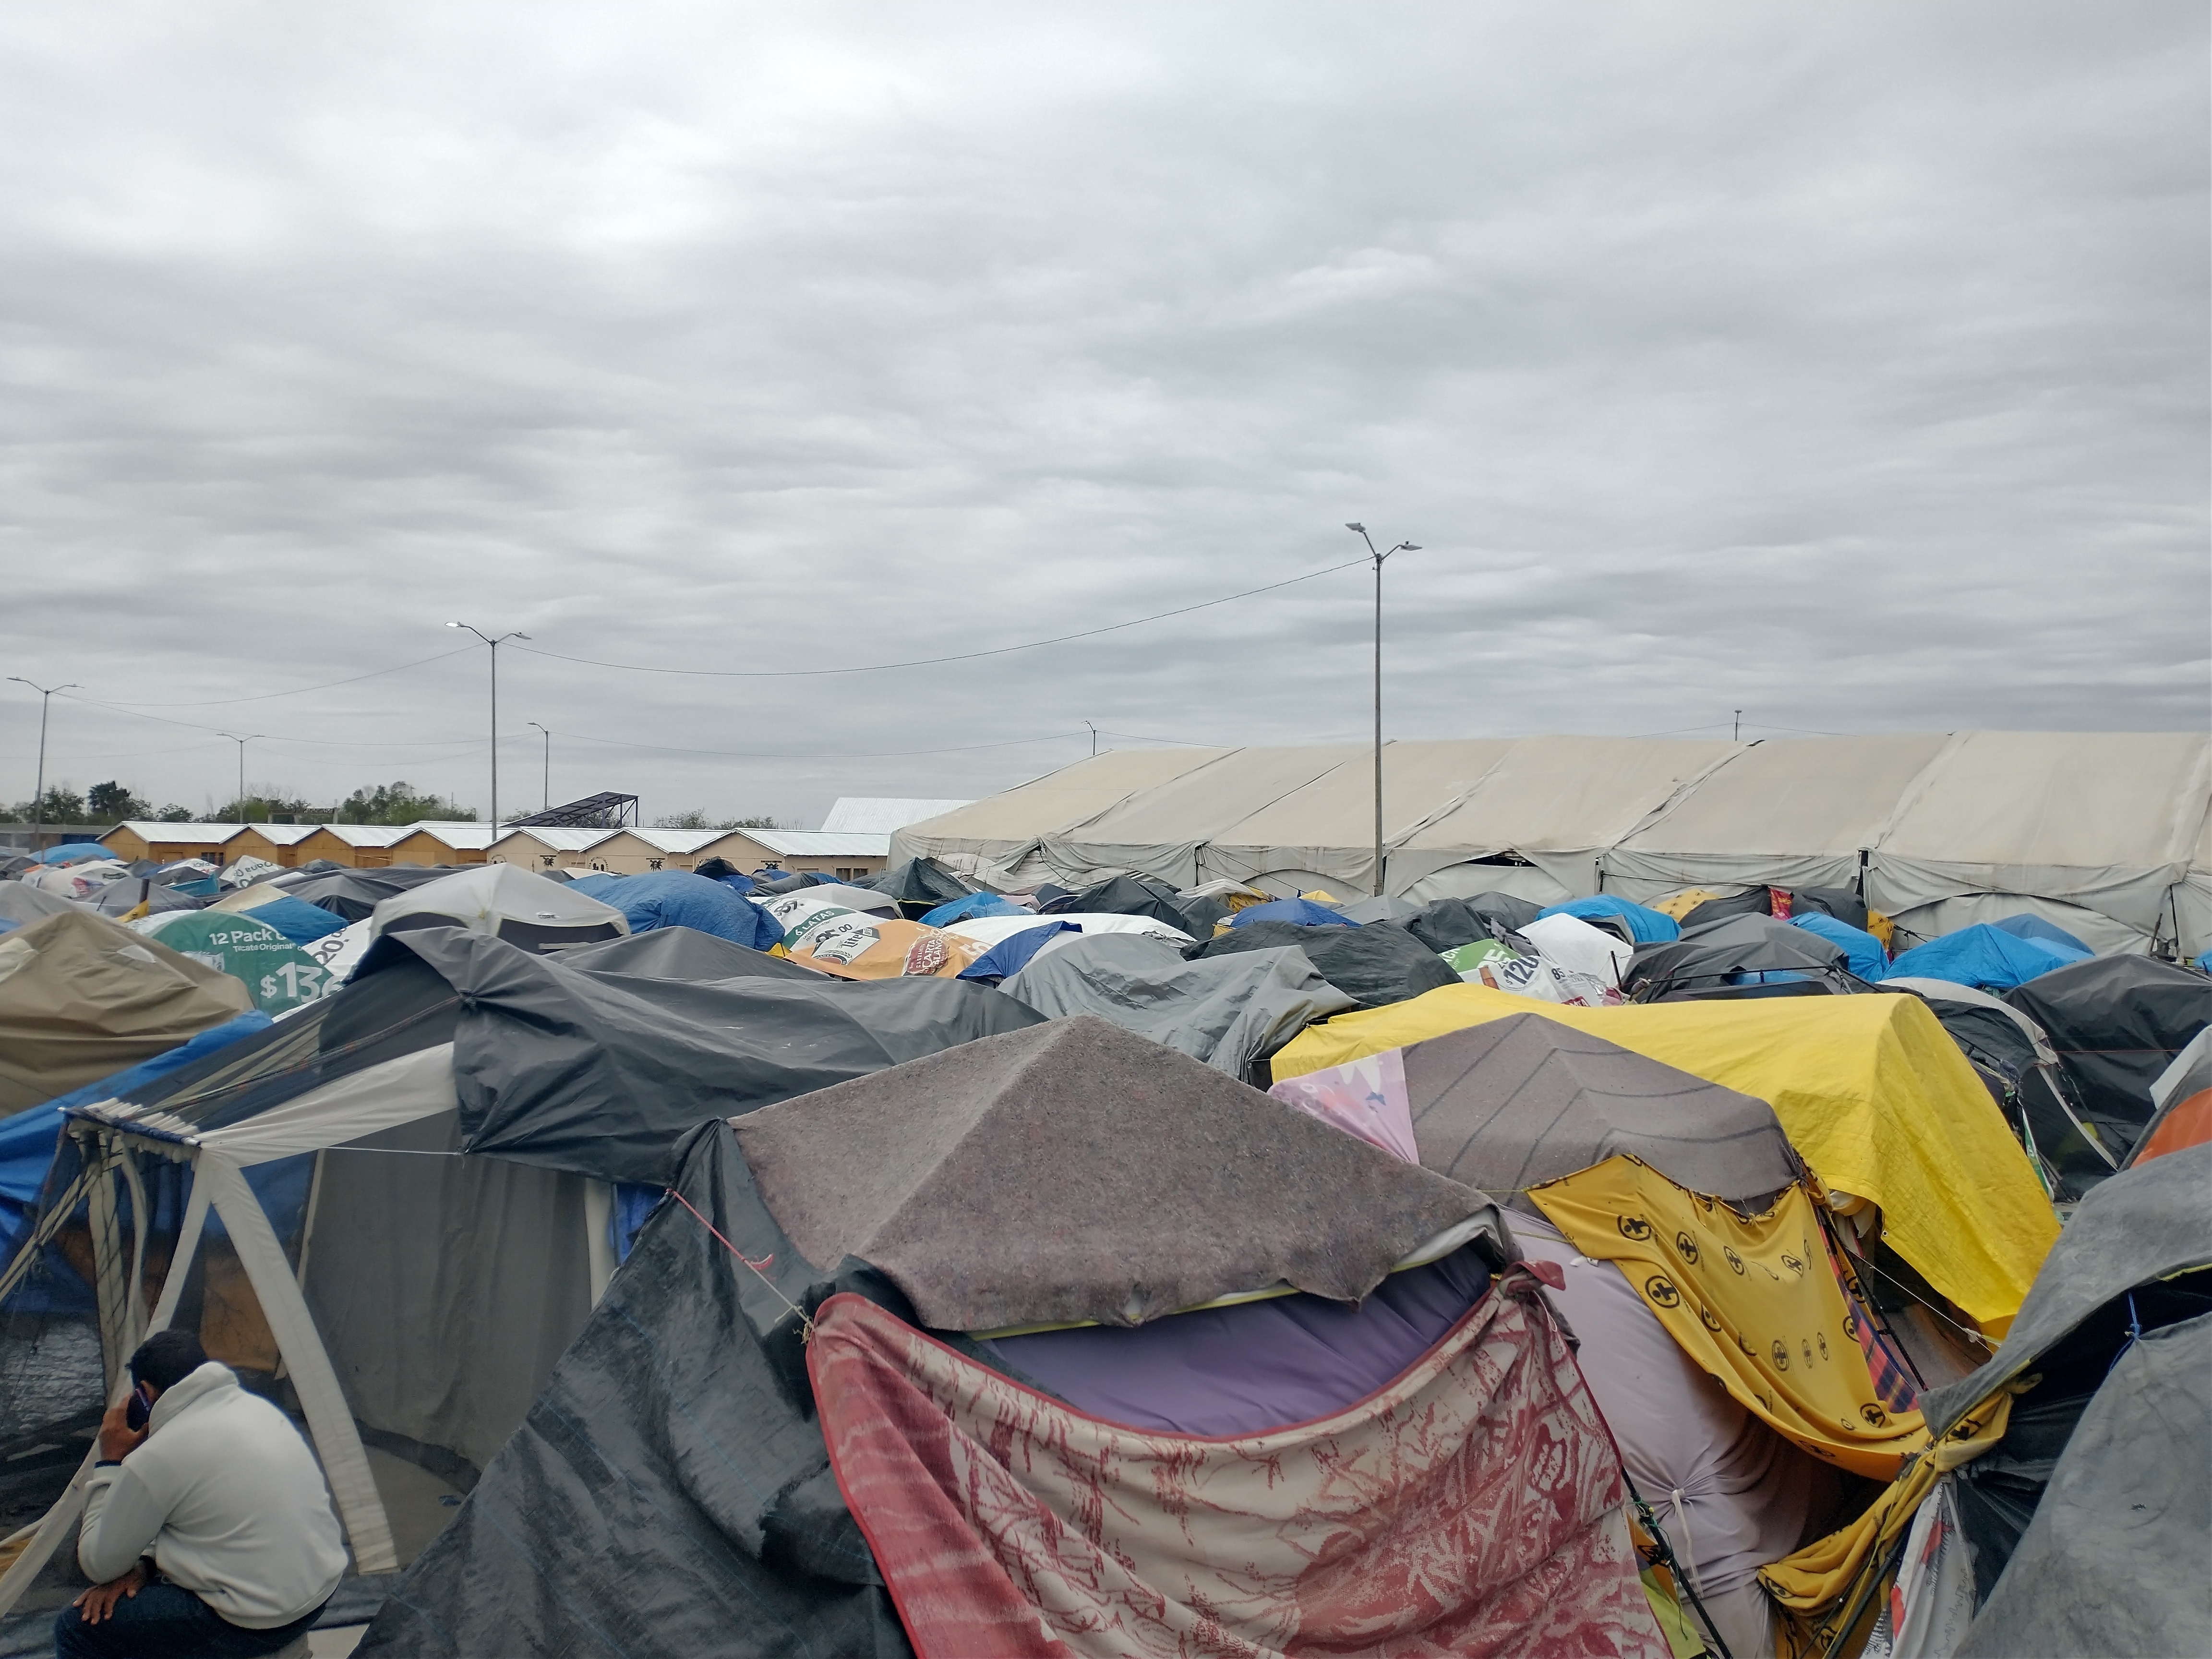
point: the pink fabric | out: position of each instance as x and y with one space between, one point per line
1471 1507
1365 1097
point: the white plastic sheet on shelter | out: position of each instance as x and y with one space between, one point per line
2109 835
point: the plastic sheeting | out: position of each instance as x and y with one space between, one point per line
2116 1022
1985 956
668 1494
582 1072
678 898
1224 1011
2113 1561
1645 927
1377 964
1876 1098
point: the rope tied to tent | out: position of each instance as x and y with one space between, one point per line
760 1268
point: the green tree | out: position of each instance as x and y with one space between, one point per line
173 813
113 802
698 818
399 802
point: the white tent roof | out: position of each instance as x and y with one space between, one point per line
2112 825
878 815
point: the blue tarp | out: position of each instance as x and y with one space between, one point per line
2036 927
1645 926
1011 954
677 898
74 851
970 908
27 1140
298 921
1863 951
1985 956
1302 912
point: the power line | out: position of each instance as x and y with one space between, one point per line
811 754
326 743
932 662
297 690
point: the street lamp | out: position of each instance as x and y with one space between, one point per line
38 800
546 800
241 743
495 644
1403 547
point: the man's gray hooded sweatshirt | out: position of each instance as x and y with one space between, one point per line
226 1497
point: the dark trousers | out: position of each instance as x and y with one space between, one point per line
163 1621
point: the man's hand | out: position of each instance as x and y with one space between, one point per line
118 1439
100 1600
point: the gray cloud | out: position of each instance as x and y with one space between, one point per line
1846 367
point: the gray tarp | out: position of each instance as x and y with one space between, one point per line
601 1076
1524 1099
2141 1225
1078 1171
1225 1010
2114 1561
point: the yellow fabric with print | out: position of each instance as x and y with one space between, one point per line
1753 1301
1872 1093
1813 1589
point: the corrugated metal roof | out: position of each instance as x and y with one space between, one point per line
560 840
817 843
679 841
878 815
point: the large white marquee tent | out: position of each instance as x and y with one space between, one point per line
2108 833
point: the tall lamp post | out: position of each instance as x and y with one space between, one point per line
545 803
495 644
1403 547
38 800
241 743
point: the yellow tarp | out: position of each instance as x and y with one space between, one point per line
1753 1301
1876 1098
1812 1589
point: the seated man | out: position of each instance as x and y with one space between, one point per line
222 1492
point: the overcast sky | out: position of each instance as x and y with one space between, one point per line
1844 365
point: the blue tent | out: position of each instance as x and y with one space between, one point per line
74 851
1011 954
298 921
2037 927
1645 926
1863 951
677 898
970 908
1304 913
1985 956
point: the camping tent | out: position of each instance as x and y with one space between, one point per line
1731 950
505 900
1377 963
81 996
2071 1468
1520 1100
719 1426
1224 1011
417 1303
2116 1022
2182 1103
1877 1100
